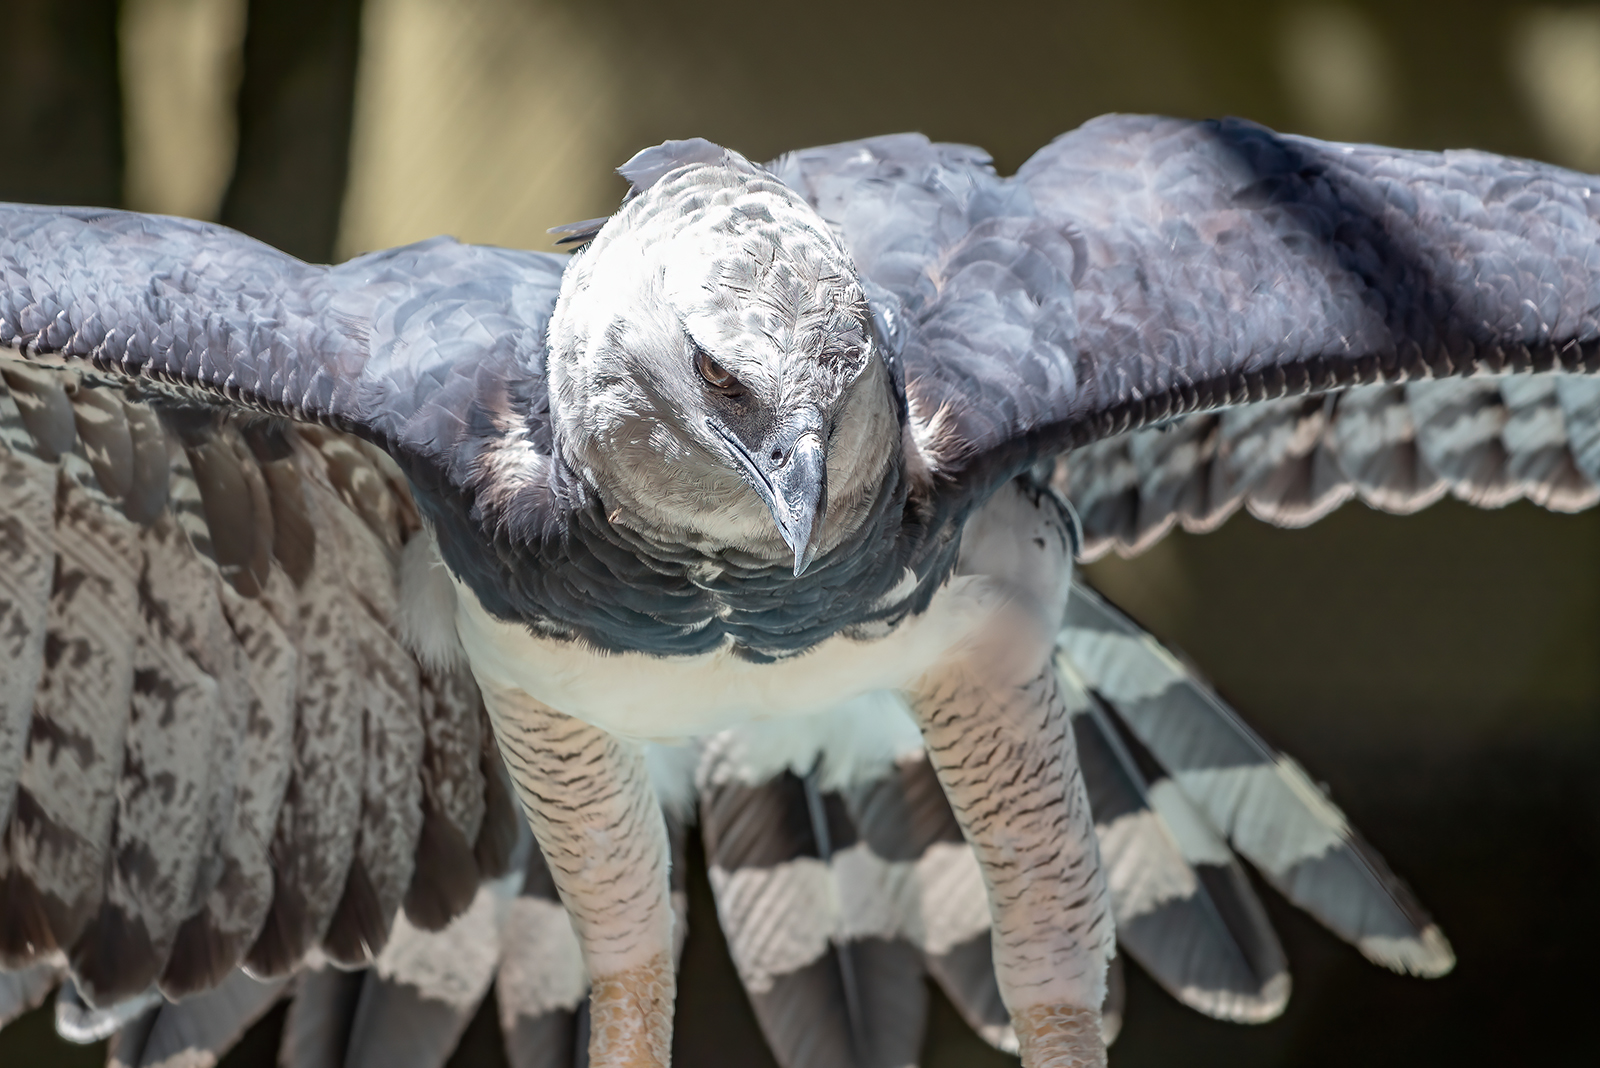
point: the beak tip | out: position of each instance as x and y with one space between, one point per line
796 491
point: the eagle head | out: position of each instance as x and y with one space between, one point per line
713 373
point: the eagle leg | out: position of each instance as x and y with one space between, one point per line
998 734
589 802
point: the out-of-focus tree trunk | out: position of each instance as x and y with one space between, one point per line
294 123
60 102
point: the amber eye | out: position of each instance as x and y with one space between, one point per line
717 376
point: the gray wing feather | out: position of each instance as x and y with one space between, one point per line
1487 441
79 1021
1259 800
26 988
420 349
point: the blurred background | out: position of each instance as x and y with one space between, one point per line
1441 673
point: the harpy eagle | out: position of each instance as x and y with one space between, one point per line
753 510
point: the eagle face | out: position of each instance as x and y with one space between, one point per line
713 372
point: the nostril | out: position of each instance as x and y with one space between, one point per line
777 454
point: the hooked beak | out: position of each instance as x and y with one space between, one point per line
791 476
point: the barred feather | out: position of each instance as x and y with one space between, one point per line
1259 800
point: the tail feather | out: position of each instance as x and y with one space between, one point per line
814 918
25 990
542 986
425 987
1184 909
199 1030
316 1033
906 821
1261 801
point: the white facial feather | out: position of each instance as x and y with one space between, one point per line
724 258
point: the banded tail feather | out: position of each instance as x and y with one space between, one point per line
907 825
424 987
1258 799
196 1031
814 920
1183 906
541 985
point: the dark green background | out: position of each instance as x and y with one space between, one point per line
1439 672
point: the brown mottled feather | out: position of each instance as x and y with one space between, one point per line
60 829
42 402
151 464
317 826
105 439
235 508
503 824
445 877
393 736
213 940
178 767
27 552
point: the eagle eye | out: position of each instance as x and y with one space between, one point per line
716 376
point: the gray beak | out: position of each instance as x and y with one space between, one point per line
791 476
799 498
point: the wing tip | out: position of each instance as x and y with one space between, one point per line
1427 955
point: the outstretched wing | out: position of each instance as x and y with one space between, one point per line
216 747
1139 269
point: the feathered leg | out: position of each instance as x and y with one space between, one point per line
998 735
589 801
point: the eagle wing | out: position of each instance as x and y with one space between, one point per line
1141 269
217 746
